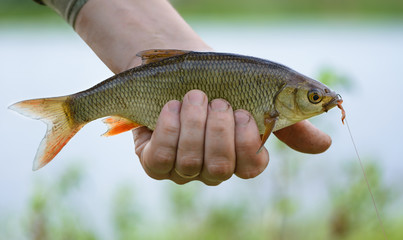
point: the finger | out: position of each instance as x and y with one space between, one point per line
141 137
191 139
249 163
219 153
304 137
158 156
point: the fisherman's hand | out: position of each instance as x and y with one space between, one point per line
198 140
209 142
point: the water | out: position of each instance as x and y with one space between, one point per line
37 62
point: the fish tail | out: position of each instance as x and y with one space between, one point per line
55 112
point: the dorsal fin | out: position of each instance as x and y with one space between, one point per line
155 55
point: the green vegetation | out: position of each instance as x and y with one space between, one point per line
54 211
336 80
20 10
353 214
252 9
291 8
51 212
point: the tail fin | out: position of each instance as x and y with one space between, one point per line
61 127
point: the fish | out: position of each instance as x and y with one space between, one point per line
275 95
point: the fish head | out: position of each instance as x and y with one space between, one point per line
302 98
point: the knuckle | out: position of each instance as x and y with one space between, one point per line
246 147
162 158
196 121
170 129
224 116
254 167
219 128
221 170
190 163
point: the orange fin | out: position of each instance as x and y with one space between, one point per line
269 123
118 125
155 55
61 127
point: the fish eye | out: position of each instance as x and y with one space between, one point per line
315 96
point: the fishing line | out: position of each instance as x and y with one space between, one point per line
366 180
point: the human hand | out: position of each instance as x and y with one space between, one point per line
209 142
197 140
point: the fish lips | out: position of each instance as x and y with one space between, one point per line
332 103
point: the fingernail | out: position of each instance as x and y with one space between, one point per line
241 118
196 98
219 105
174 106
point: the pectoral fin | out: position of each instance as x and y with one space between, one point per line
269 123
155 55
118 125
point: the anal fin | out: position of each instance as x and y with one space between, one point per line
155 55
118 125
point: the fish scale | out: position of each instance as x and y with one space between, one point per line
224 76
275 95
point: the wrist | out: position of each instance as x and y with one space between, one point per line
117 30
68 9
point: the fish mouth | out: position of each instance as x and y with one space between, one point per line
332 103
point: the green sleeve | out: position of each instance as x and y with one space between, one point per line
68 9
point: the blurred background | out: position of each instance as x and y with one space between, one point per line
96 189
